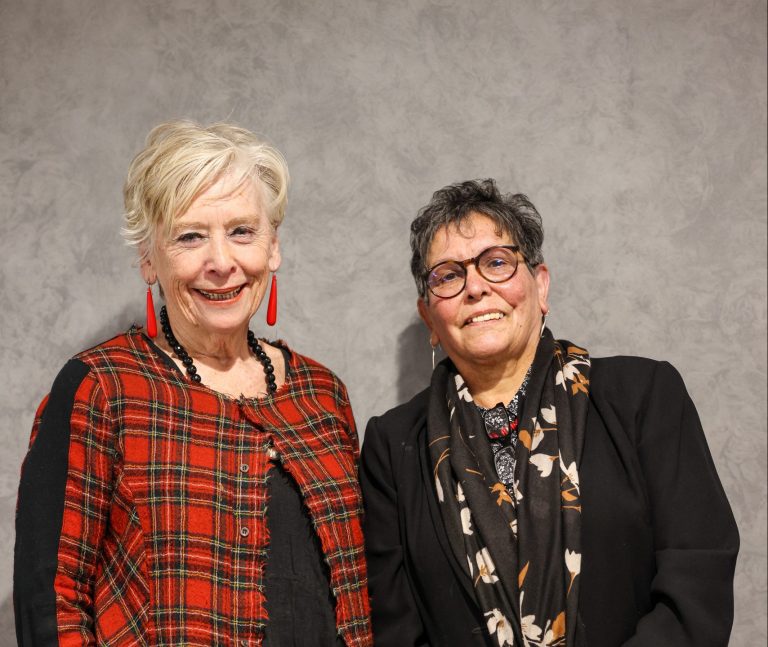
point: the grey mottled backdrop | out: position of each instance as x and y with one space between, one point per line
637 128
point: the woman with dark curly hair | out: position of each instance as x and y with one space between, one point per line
534 495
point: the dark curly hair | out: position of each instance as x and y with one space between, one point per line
513 214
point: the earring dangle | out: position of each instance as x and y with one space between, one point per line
433 356
151 320
272 304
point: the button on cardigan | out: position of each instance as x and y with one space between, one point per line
142 505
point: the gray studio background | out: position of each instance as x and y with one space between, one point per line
637 128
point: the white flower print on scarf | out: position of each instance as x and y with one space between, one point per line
485 567
462 389
466 521
573 564
499 626
531 631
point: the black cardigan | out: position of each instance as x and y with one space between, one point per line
659 541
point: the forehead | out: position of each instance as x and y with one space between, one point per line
227 197
466 238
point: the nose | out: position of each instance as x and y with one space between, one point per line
476 286
221 260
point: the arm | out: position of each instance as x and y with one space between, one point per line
694 531
62 507
396 621
346 411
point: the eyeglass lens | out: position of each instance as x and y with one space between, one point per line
495 264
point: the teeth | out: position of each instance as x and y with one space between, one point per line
220 296
486 317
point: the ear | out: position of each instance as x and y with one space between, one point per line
542 285
275 257
146 266
426 317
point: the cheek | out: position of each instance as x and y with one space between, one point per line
518 295
256 264
443 315
178 271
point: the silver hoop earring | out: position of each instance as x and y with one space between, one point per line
544 322
433 355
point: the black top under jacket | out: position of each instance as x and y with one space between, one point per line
659 540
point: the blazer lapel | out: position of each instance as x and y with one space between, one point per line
416 462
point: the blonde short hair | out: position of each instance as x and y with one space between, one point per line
181 160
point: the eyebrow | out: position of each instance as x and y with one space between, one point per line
232 222
485 249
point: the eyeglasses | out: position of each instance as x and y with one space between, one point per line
495 264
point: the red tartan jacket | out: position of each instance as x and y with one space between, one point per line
142 506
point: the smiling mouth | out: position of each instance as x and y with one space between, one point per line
488 316
220 296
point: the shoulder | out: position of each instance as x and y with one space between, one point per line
125 348
388 439
306 363
628 374
75 391
72 382
124 366
79 377
400 424
306 371
85 365
636 386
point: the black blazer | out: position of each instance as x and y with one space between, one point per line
659 541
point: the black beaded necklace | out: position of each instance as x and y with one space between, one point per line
189 365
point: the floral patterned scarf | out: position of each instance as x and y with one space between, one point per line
521 549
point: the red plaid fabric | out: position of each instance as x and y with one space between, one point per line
163 538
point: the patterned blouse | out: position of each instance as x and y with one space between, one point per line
142 506
501 425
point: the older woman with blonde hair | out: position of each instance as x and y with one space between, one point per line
532 494
196 487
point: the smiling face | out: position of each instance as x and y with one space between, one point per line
215 264
487 324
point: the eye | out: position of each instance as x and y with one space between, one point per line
498 260
446 274
243 233
447 277
189 237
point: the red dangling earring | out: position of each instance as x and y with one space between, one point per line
151 320
272 305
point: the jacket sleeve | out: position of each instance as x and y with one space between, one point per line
395 617
62 508
349 417
695 535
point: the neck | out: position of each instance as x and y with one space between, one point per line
212 348
492 383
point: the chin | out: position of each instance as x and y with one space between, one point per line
481 355
487 357
493 351
224 323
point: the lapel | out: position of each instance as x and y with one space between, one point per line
417 481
